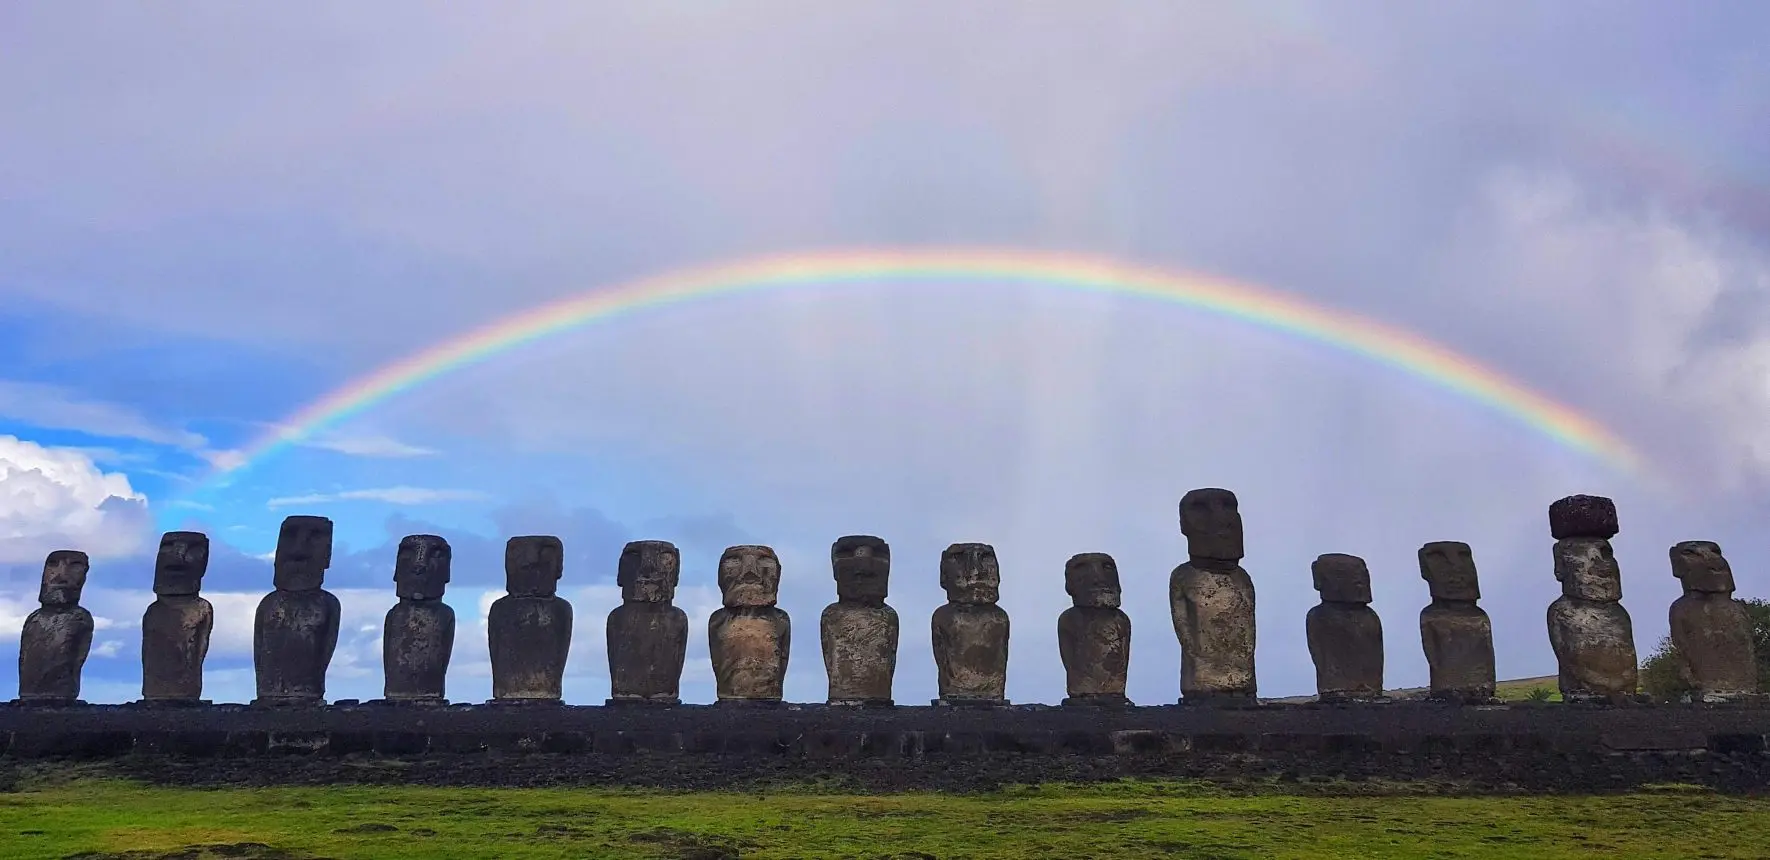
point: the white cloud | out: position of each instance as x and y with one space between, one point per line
56 498
389 495
366 446
54 407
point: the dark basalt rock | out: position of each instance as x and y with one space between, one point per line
296 627
418 635
529 629
859 632
56 638
647 633
1345 635
176 626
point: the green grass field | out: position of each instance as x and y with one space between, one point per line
105 818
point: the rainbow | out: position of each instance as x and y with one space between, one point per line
1382 343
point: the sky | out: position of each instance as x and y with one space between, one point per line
211 216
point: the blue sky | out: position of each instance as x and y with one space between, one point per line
209 219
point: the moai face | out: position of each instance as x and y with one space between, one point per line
1092 579
749 576
304 551
533 565
862 564
970 574
1211 520
1342 578
1587 569
183 559
648 571
1448 566
421 570
1701 567
64 576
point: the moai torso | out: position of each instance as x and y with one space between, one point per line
1094 635
56 638
1710 629
529 629
1590 631
970 630
296 628
1212 601
647 634
175 628
1345 635
1456 633
418 635
859 631
749 637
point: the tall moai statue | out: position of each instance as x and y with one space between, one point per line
57 636
1589 629
175 628
859 631
647 633
1456 634
1711 630
529 629
1212 601
970 630
749 637
1345 634
296 628
1094 634
418 636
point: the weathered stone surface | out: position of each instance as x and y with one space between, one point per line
859 632
1212 601
970 630
175 628
296 628
1711 630
418 635
1456 633
1345 635
1094 635
749 637
57 636
529 629
647 633
1590 631
1583 517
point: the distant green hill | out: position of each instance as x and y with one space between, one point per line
1515 690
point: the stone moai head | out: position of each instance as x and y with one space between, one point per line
183 559
1587 569
862 564
421 570
749 576
533 565
1701 567
1092 579
304 551
64 576
1583 517
1448 566
1341 578
648 571
1211 521
970 573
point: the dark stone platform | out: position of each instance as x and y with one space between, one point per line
1557 747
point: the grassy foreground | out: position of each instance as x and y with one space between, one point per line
104 818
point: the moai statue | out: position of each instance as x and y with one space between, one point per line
749 637
57 636
859 631
175 628
1456 634
1589 629
970 630
647 634
1710 629
1345 634
296 628
1212 601
529 629
1094 635
418 636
